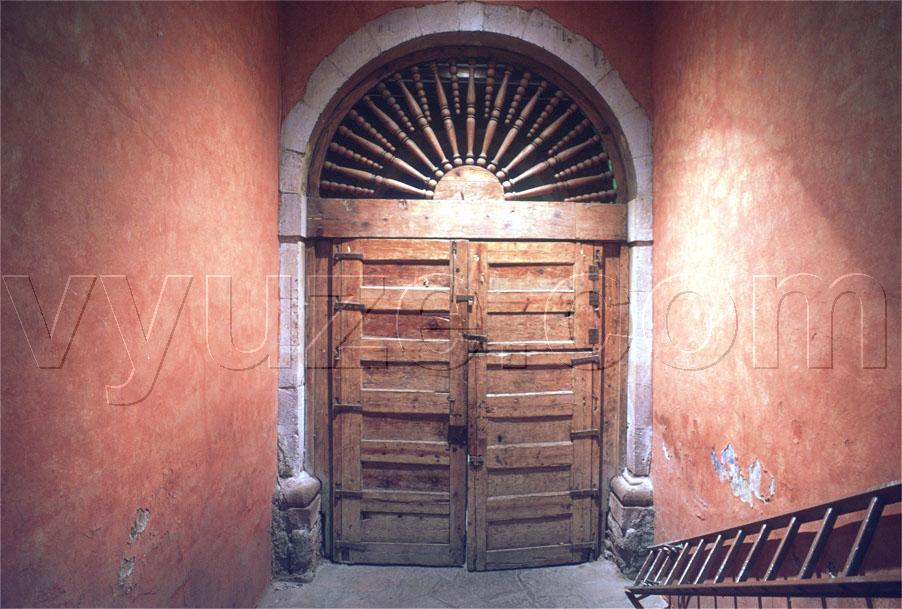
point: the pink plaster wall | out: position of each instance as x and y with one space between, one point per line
138 139
313 30
776 142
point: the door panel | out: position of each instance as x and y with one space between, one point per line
534 387
399 383
455 351
535 295
536 488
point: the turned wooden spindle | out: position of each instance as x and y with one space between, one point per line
493 119
370 130
423 124
549 108
516 127
602 196
592 161
421 92
379 181
557 187
570 136
353 156
399 133
400 138
385 155
455 85
471 114
446 116
489 88
537 142
390 99
550 162
346 189
518 97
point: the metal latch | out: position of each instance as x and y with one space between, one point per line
482 338
467 298
474 461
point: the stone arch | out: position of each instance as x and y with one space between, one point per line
629 520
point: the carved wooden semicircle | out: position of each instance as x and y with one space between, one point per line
469 183
467 127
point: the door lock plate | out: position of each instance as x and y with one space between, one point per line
457 435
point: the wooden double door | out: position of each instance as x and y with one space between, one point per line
466 410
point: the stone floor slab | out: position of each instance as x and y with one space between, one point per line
595 584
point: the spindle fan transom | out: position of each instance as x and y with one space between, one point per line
422 118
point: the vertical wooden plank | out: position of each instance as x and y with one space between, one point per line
476 390
458 395
597 387
336 332
581 468
623 346
318 380
349 392
613 352
584 311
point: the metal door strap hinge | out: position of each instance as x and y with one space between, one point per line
589 359
593 336
340 407
467 298
474 460
347 256
586 492
593 298
343 494
341 305
584 433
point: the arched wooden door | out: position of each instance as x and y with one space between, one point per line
464 325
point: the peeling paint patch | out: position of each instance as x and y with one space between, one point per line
125 570
747 487
665 451
142 517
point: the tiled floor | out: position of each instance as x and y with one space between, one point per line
596 584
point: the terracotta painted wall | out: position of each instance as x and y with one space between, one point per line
138 140
312 30
776 152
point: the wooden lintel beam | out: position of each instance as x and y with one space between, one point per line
470 219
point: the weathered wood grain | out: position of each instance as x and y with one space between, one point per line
398 218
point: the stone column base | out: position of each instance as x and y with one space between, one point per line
630 526
296 529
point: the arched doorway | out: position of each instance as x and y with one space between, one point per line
480 203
